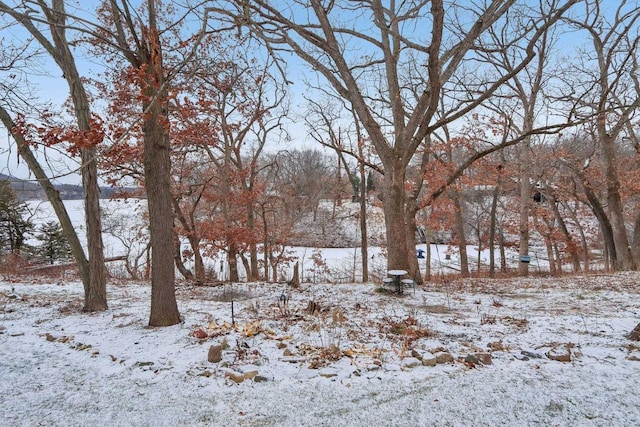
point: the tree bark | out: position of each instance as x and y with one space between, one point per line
525 203
393 205
492 230
605 227
157 173
459 227
571 246
624 256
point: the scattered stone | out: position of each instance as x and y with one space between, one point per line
417 354
281 345
554 407
410 362
634 335
49 337
560 354
484 358
260 379
250 375
444 357
531 354
236 377
215 354
471 358
496 346
293 359
634 356
200 334
287 353
429 359
328 372
249 371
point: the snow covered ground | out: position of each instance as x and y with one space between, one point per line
334 355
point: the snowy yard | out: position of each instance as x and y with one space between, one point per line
335 355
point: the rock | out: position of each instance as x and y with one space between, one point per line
484 358
531 354
471 358
260 379
200 334
287 353
429 359
249 371
417 354
634 356
634 335
236 377
293 359
444 357
49 337
215 354
328 372
250 375
560 354
410 362
281 345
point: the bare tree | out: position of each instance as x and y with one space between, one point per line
609 91
392 56
325 126
92 271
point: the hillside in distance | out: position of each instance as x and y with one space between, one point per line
31 190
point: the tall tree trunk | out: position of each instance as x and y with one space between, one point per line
94 276
605 227
253 271
157 173
583 238
364 238
552 263
459 227
492 230
635 241
614 201
95 296
572 248
503 252
525 203
393 198
411 231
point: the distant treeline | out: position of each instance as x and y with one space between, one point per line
30 190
